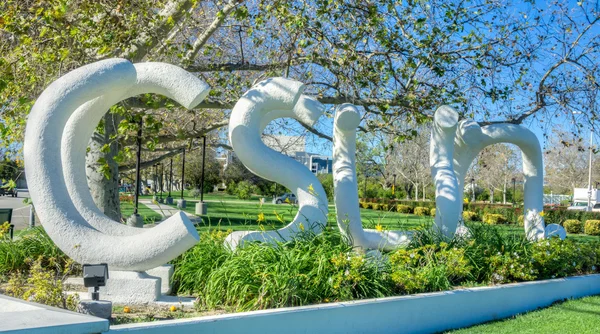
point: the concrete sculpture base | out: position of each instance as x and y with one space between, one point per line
201 208
181 204
130 288
169 200
165 273
97 308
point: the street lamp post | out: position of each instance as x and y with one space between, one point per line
169 199
135 219
472 190
589 204
162 173
201 207
181 204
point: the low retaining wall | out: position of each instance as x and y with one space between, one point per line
422 313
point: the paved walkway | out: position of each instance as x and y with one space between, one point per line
167 211
20 215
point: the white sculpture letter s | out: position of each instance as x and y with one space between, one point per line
270 99
61 218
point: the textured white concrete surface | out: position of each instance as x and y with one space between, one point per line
422 313
270 99
447 193
130 288
453 148
347 119
157 78
165 273
19 316
472 138
63 222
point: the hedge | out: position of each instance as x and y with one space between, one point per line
573 226
592 227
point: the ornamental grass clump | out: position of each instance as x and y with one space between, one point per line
31 244
375 206
311 269
573 226
421 211
432 212
403 208
592 227
365 205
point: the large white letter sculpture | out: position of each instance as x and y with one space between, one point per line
270 99
345 185
58 129
455 145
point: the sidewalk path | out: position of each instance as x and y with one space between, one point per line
167 211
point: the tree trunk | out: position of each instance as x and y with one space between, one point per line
105 191
423 191
416 191
492 195
504 194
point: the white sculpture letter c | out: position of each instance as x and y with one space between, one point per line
81 230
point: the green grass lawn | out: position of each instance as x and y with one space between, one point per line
574 316
226 214
149 216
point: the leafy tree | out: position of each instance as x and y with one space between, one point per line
212 170
398 60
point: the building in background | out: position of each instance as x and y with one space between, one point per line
294 147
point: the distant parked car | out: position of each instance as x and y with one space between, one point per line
4 190
285 198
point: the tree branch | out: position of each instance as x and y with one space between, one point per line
203 38
171 13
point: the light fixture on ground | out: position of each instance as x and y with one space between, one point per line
201 207
95 276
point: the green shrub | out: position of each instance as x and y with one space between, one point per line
428 268
573 226
470 216
432 212
421 211
244 190
592 227
365 205
195 192
375 206
521 220
403 208
494 219
231 188
384 207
